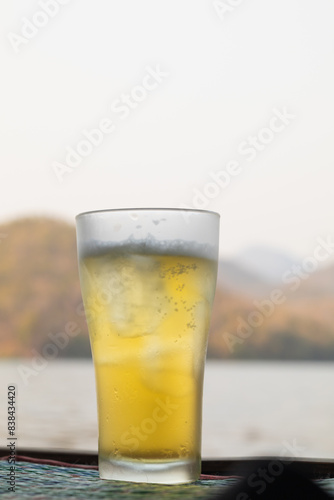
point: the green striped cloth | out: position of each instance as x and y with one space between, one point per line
42 481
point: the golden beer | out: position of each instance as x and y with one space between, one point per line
148 314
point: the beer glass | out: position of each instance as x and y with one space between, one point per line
148 280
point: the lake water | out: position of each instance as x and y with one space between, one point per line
249 408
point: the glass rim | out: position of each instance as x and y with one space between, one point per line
150 209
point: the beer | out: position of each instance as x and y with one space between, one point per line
148 313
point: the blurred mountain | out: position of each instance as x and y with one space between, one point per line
39 287
255 314
319 284
236 279
290 319
267 263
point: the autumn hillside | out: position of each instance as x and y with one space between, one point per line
40 297
39 287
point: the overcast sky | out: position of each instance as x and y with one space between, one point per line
224 105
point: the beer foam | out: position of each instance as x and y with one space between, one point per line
148 246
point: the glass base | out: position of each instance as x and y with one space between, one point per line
143 471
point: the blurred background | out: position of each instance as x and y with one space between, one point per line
220 105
